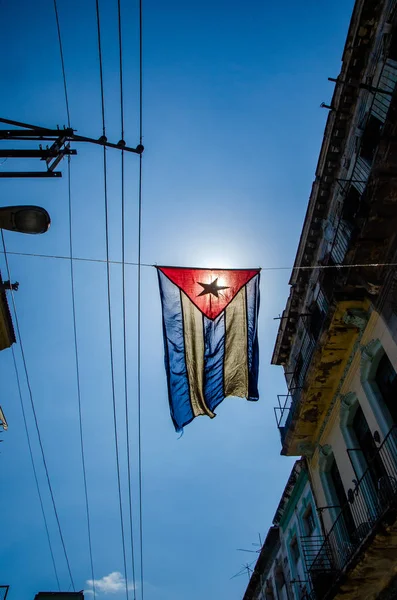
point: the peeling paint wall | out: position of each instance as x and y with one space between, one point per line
376 338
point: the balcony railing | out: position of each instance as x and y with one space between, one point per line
288 402
341 242
368 502
361 173
387 82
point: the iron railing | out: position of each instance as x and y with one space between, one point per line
341 241
373 495
387 82
288 402
311 546
361 172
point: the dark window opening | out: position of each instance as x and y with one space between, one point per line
328 281
393 46
370 139
347 517
298 369
280 578
351 204
315 320
269 594
308 520
294 546
368 447
386 380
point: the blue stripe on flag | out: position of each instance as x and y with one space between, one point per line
252 296
175 363
214 350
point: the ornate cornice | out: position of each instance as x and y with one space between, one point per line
368 353
356 317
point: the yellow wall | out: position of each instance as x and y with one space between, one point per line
332 435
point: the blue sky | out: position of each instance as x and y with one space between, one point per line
232 131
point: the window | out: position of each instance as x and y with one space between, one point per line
315 321
351 204
386 380
378 378
393 46
367 446
280 578
370 139
329 280
294 547
308 521
298 366
269 594
348 521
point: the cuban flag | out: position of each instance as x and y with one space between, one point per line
210 326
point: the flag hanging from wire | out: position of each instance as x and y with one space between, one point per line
210 327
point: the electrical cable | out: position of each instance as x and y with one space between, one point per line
124 306
98 22
109 293
34 468
35 415
135 264
76 258
139 294
77 363
62 62
74 311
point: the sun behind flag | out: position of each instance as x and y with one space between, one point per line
210 321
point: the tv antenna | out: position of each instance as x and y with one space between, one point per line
259 546
246 569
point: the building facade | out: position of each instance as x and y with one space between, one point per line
337 340
281 570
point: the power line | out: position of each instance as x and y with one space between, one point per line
139 293
109 294
140 74
124 305
34 468
34 413
78 379
76 258
62 61
152 265
98 22
121 70
74 310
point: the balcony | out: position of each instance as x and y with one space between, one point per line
361 546
341 242
324 352
387 83
312 329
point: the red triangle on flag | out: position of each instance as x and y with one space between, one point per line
211 290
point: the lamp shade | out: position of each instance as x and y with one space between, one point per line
24 219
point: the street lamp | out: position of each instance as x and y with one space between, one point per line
24 219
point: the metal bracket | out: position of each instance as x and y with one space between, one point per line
51 155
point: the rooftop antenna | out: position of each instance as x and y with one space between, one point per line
259 546
245 569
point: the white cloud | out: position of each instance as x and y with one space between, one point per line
113 583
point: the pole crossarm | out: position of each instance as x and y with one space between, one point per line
55 153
